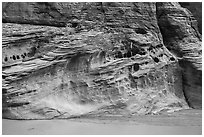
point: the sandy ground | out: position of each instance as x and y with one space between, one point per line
188 122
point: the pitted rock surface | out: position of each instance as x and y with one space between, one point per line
107 59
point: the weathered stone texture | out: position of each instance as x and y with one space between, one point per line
196 9
109 60
181 37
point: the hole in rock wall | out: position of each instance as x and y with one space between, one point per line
23 56
17 57
156 59
130 49
74 24
146 63
3 76
152 48
140 31
6 59
159 46
15 53
136 67
14 57
172 59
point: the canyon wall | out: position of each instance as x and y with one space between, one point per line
64 60
196 9
182 38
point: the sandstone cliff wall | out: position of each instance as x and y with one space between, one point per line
181 37
94 59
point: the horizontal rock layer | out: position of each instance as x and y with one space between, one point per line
109 59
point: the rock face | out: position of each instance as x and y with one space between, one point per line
110 59
196 9
181 37
41 13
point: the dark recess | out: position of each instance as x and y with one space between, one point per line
74 24
22 56
140 31
136 67
14 57
17 57
3 77
172 59
6 59
129 54
119 55
156 59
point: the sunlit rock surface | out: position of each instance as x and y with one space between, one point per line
109 60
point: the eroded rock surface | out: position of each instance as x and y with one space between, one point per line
38 13
182 38
196 9
109 60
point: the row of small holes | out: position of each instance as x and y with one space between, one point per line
15 57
